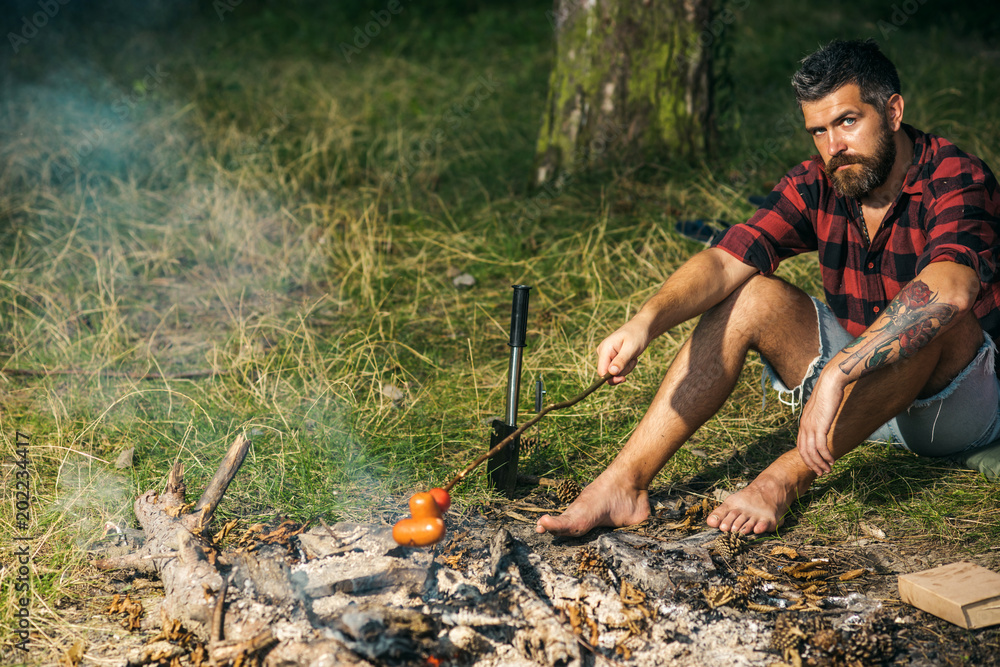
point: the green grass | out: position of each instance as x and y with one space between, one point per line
293 221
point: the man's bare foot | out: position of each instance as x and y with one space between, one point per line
605 502
761 506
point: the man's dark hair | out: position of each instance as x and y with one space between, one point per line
842 62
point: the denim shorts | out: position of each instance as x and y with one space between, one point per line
962 416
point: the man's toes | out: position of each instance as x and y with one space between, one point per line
722 517
547 523
726 523
557 525
741 524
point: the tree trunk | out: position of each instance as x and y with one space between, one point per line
632 78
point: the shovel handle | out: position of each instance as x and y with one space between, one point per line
519 316
528 424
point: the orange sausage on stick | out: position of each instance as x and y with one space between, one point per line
425 526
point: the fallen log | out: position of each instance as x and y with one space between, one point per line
238 604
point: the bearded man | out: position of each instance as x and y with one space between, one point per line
906 226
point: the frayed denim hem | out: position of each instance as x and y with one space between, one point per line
798 395
969 399
985 357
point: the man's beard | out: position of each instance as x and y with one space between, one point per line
873 171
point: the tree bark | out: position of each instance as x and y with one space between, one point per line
632 79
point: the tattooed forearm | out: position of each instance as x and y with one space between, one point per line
912 319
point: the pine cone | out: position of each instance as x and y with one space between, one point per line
821 637
717 596
882 628
871 644
730 545
589 560
747 586
567 491
863 648
787 634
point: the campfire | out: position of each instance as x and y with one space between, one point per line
492 593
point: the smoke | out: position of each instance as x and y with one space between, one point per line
88 496
143 229
76 127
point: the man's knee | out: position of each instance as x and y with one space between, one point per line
762 301
774 318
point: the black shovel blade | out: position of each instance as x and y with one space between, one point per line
501 470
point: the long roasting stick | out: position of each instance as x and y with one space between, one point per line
528 424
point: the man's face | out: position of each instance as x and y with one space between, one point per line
854 139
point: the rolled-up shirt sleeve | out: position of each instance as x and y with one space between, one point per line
781 227
961 229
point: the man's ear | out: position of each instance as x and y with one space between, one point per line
894 111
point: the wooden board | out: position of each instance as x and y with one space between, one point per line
962 593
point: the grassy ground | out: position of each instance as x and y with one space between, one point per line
233 195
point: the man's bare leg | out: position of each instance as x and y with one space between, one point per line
766 314
868 403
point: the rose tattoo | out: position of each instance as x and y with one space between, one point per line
912 319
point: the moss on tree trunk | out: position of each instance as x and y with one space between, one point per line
632 79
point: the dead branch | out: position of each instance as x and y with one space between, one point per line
225 653
184 375
175 483
217 615
140 561
220 481
263 617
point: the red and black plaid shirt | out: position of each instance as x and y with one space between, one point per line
948 210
